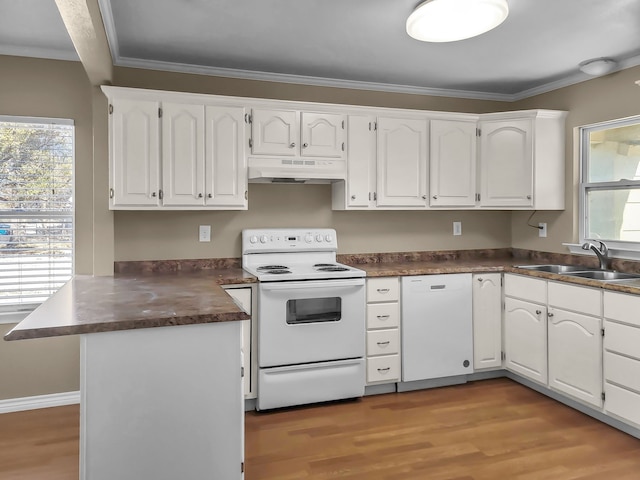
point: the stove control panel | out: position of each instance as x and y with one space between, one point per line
288 239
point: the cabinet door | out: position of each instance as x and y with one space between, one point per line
182 154
452 163
274 132
322 135
506 163
575 355
525 339
225 160
135 153
361 161
402 162
242 296
487 321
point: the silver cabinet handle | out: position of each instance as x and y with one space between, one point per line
383 290
111 193
353 197
528 197
435 197
382 317
153 194
424 197
538 312
209 196
383 343
199 195
305 145
293 144
384 369
480 279
549 315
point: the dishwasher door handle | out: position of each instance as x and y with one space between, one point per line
438 287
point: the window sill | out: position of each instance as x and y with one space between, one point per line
13 316
624 253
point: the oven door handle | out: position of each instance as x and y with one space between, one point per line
357 282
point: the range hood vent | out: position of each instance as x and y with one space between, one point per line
296 171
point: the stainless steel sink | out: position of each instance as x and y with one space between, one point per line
604 275
562 269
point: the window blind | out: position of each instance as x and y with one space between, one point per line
36 210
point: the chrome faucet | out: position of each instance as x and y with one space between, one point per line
601 251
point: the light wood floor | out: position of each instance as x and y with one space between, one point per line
490 430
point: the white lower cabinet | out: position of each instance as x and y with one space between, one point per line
487 321
243 296
383 330
622 357
525 339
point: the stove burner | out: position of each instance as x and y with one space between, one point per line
333 269
272 267
276 272
324 265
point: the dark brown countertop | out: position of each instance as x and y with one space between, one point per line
88 304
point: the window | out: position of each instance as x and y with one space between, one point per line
610 184
36 210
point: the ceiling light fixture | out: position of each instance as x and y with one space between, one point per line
598 66
452 20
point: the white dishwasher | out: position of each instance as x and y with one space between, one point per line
437 328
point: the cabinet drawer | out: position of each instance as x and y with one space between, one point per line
383 315
623 403
622 370
384 289
383 369
621 307
383 342
527 288
622 339
577 299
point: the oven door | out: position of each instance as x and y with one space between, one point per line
310 321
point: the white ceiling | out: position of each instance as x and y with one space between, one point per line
351 43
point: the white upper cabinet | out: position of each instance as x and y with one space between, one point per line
274 132
522 160
225 158
182 154
134 146
402 162
452 163
292 133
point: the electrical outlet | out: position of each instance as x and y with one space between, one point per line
204 233
457 228
542 229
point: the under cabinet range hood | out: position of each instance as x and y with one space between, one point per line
296 170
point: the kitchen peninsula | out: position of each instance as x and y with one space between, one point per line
163 402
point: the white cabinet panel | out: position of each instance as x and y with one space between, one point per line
383 289
402 162
622 308
526 288
384 369
487 321
622 371
322 135
134 138
383 342
506 149
226 168
575 355
578 299
622 403
525 338
243 297
452 163
274 132
622 339
383 315
182 154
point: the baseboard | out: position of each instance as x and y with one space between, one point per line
39 401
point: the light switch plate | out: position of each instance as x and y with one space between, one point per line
457 228
205 233
542 230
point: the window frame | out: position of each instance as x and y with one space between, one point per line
10 314
617 248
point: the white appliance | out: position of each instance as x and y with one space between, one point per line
437 328
311 317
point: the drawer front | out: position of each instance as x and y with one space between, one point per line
621 307
526 288
577 299
622 370
623 403
622 339
384 289
383 342
383 315
385 369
